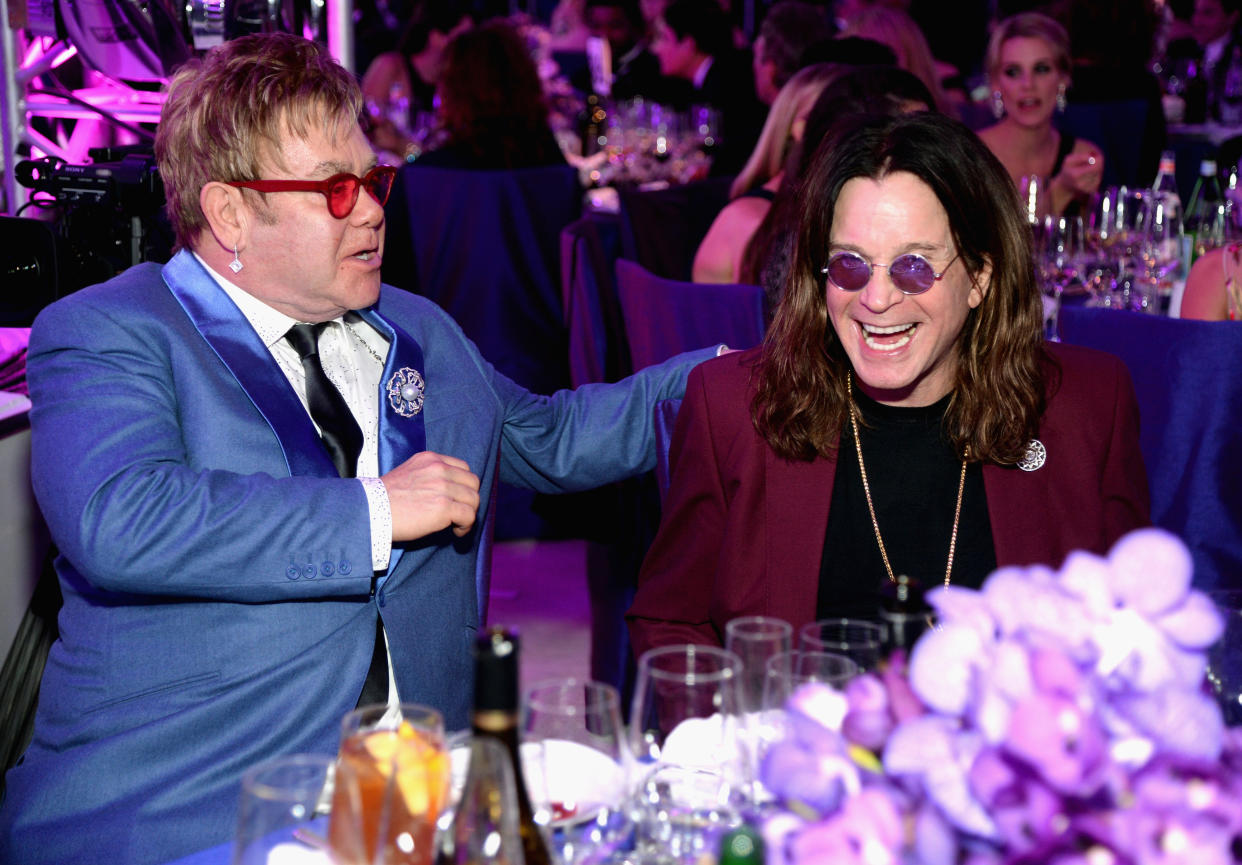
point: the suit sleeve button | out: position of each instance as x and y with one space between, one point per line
327 568
308 571
344 567
293 572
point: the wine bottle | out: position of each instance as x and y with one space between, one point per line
496 717
1205 215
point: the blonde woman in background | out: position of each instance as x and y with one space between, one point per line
719 256
897 30
1028 65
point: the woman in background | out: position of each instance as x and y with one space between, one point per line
719 257
1028 65
493 110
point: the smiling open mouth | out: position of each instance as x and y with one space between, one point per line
888 338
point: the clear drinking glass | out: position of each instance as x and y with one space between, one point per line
391 784
1225 657
576 766
755 639
281 797
858 639
690 766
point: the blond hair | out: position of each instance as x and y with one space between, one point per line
1029 25
792 102
231 108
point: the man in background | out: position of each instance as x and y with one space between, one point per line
789 28
694 42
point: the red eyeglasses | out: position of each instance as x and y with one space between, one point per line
341 190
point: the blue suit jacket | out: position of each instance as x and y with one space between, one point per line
216 570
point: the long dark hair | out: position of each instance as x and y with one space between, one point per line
492 102
998 397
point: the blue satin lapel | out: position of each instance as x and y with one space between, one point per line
248 359
399 437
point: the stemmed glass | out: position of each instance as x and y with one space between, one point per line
1161 247
1062 252
576 766
859 640
1117 225
283 801
690 773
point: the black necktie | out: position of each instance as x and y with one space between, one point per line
340 432
343 439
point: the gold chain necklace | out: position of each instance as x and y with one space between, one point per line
957 511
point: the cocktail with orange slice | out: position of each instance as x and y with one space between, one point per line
391 782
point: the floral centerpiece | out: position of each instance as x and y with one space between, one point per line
1052 717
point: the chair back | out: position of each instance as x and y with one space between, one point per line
665 419
661 229
664 317
1188 378
485 246
596 332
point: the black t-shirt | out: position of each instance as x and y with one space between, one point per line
913 475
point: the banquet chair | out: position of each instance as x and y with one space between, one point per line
661 229
664 317
1186 376
485 246
596 333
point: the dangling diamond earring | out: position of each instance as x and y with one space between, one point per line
235 265
998 105
1061 100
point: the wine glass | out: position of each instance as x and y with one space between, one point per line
1033 191
789 671
391 783
576 767
689 769
858 639
283 801
1063 253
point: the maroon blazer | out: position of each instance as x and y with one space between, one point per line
743 530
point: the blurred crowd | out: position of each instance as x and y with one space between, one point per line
1072 96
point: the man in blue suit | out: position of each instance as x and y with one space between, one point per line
264 472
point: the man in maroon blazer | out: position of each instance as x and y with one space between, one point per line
956 428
